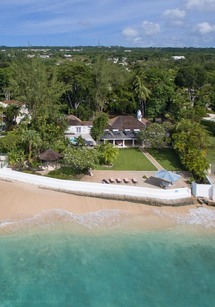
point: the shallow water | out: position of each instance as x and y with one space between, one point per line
61 259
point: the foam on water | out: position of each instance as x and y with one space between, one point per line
199 216
108 218
202 216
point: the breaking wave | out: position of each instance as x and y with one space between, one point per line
46 219
199 216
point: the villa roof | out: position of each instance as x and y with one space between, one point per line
87 123
123 122
10 102
73 120
50 155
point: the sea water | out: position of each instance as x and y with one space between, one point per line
61 259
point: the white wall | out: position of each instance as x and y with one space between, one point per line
97 188
203 190
78 129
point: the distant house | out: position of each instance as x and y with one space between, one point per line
23 110
123 130
178 57
210 117
77 127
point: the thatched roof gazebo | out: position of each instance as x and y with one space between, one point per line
50 156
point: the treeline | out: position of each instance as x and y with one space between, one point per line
160 86
99 80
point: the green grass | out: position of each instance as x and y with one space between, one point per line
211 150
66 173
210 127
168 158
130 159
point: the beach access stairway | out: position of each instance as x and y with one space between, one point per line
178 196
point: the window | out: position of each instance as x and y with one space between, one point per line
78 129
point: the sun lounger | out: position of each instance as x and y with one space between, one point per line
126 180
134 180
111 180
118 180
105 181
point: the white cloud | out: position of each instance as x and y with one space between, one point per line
204 28
141 34
150 28
203 5
176 13
175 16
130 32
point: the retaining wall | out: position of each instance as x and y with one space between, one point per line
157 197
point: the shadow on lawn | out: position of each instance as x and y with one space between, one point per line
167 156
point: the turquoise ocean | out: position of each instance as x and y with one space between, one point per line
60 259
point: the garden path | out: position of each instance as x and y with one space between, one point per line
152 160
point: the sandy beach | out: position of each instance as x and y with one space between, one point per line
21 201
99 244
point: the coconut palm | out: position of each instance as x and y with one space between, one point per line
108 153
142 91
33 140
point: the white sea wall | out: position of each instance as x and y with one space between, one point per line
99 189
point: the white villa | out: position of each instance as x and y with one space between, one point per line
23 111
123 130
78 128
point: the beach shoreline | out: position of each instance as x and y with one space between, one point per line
22 201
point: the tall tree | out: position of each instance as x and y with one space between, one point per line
10 114
191 142
140 88
107 76
154 135
33 141
99 124
77 79
162 91
36 84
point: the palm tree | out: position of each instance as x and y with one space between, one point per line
34 141
108 153
142 91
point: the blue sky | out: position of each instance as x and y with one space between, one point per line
129 23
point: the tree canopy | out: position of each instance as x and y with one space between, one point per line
191 143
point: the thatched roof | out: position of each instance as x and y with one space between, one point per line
50 155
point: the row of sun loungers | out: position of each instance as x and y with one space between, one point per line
119 180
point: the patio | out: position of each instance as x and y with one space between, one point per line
142 178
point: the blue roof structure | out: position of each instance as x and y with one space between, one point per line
167 175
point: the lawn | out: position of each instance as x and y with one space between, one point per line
130 159
168 158
211 150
